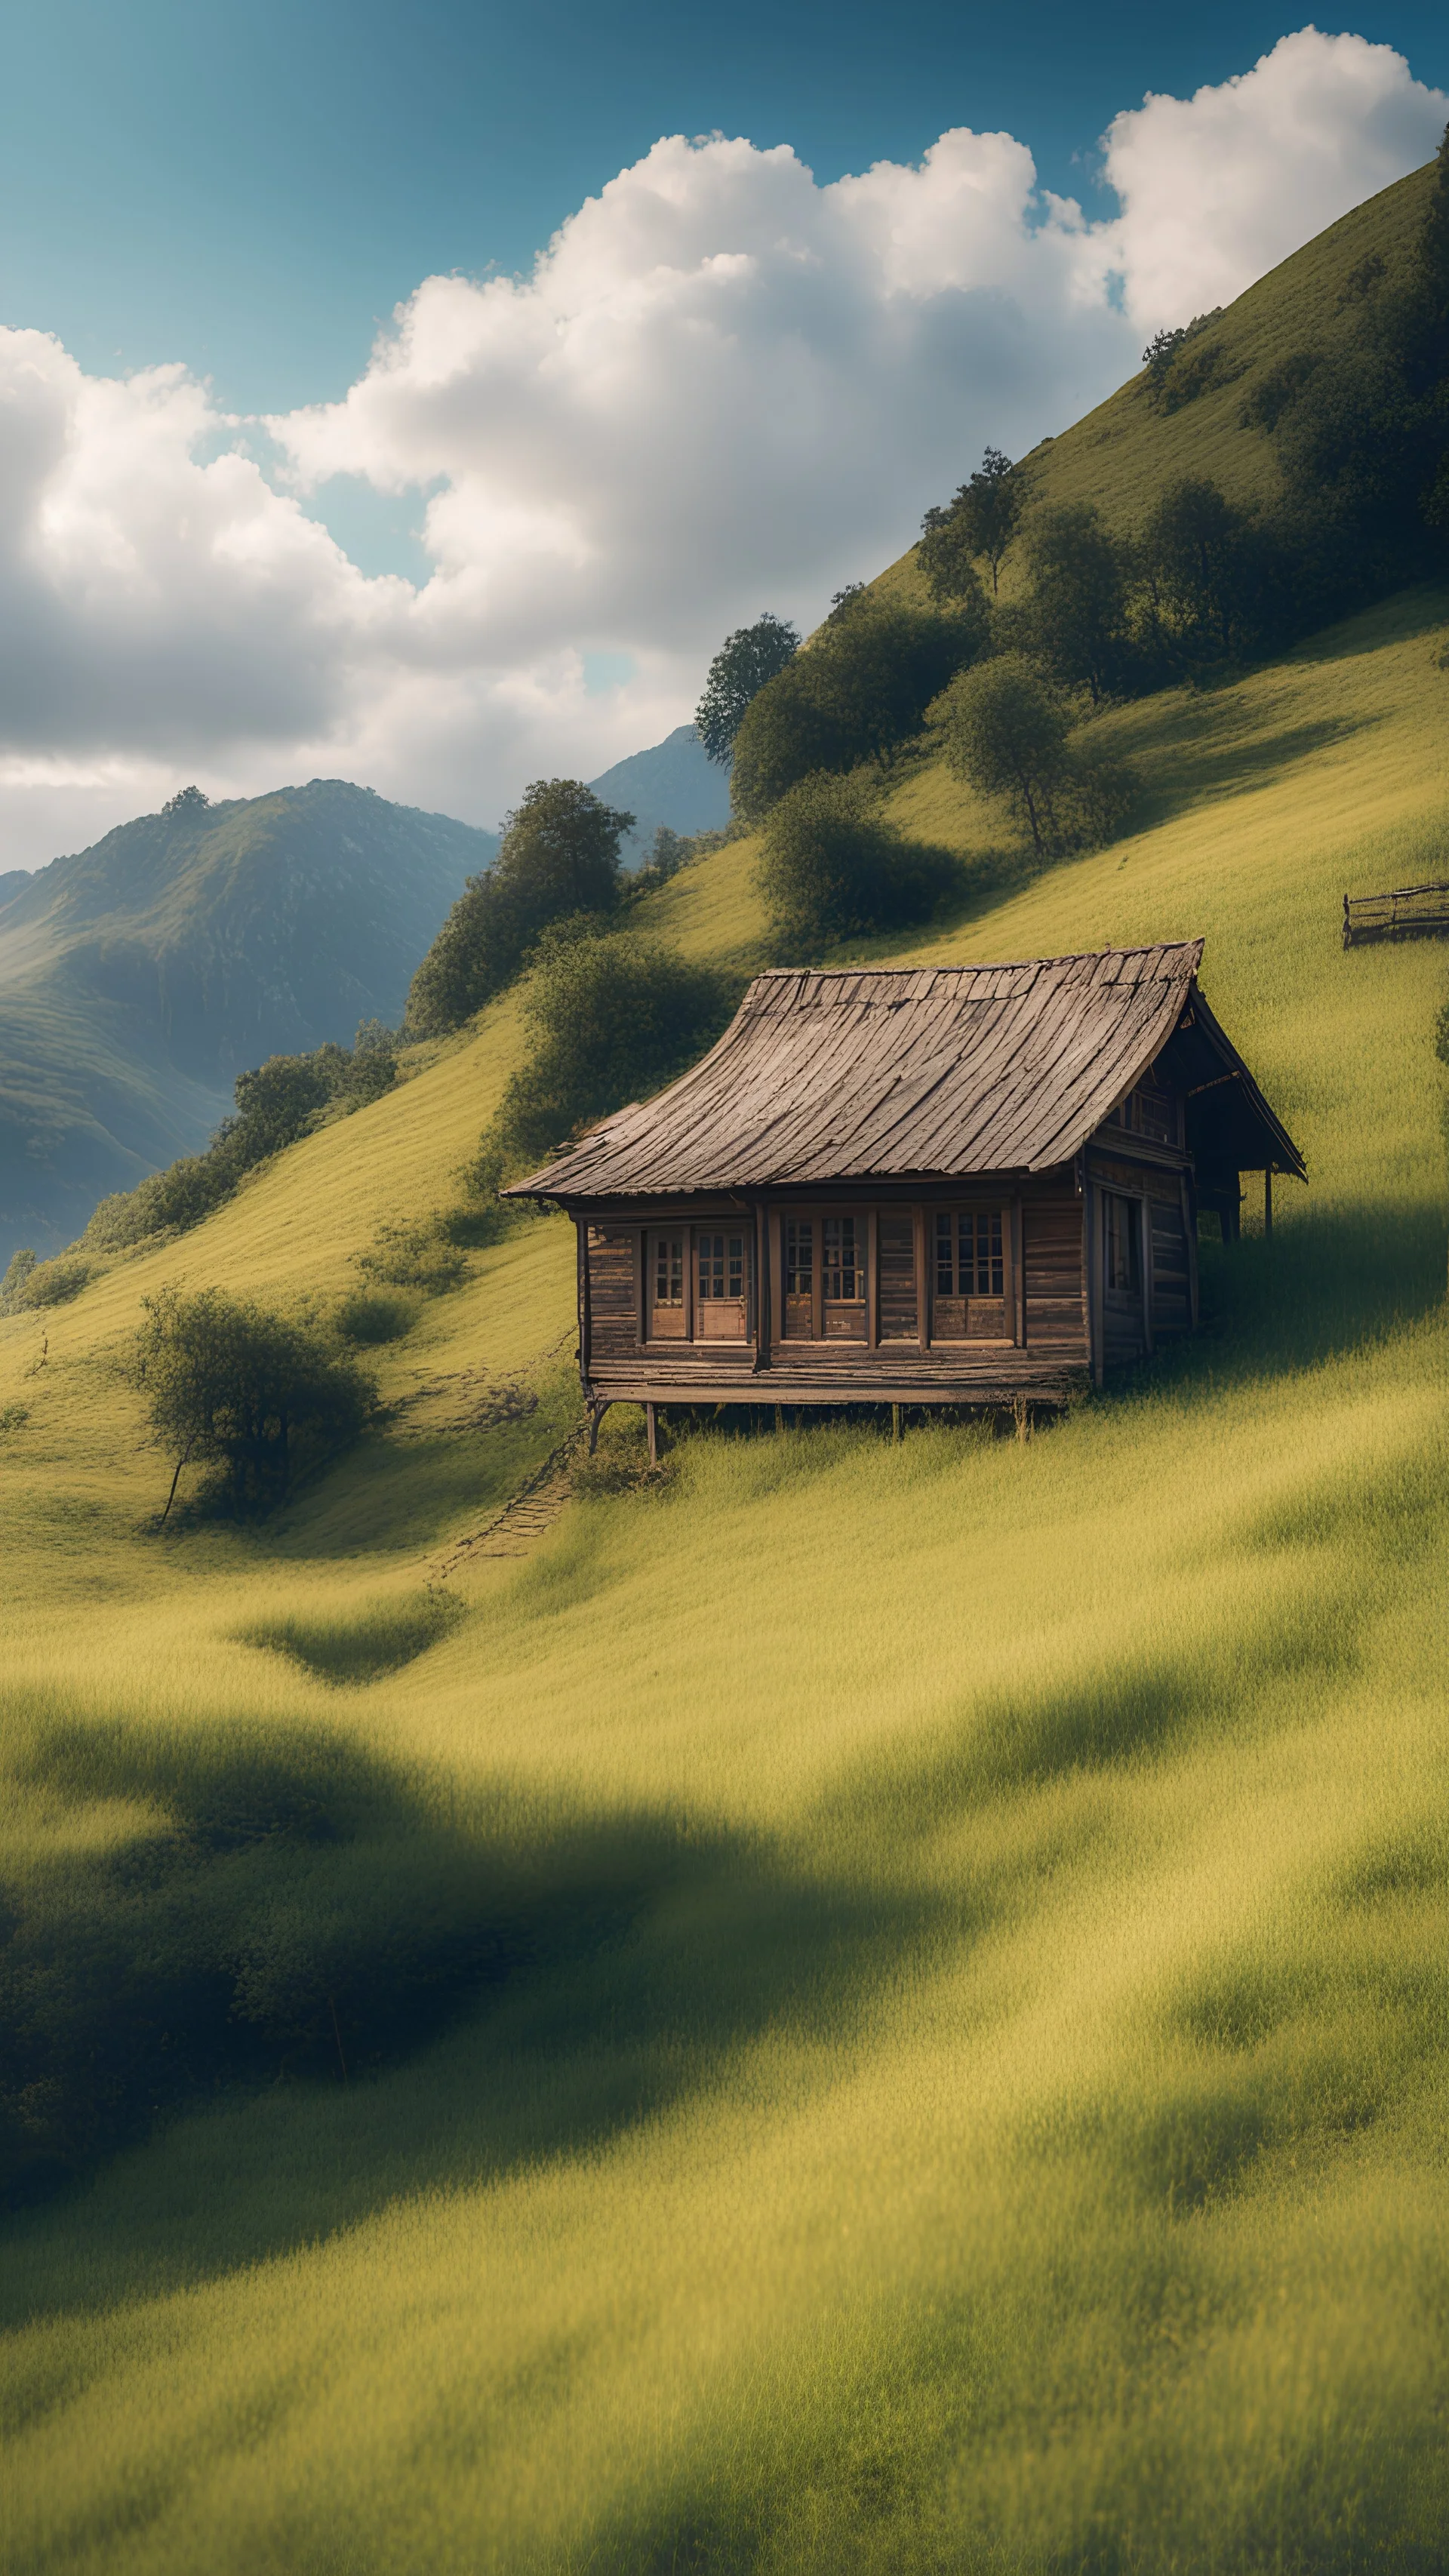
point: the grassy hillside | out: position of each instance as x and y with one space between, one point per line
926 2036
138 978
1125 454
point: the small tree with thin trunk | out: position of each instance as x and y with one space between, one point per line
1004 729
978 527
256 1394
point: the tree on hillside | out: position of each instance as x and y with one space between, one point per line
859 690
1081 578
1197 548
978 526
1005 730
740 669
833 868
259 1394
186 802
559 856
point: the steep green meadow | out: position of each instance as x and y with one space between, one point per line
895 2002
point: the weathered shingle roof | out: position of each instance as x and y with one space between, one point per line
898 1072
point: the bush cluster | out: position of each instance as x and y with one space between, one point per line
612 1017
834 868
1006 729
29 1282
858 691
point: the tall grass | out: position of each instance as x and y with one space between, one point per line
892 2001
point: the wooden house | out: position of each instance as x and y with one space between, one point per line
948 1185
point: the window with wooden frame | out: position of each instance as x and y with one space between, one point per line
721 1284
969 1249
667 1316
1122 1244
1148 1111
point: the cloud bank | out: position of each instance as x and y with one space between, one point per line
721 387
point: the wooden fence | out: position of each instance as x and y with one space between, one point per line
1410 912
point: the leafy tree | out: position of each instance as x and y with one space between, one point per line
1004 729
1198 548
978 526
833 868
859 690
740 669
256 1393
612 1017
187 802
1007 731
559 856
1081 576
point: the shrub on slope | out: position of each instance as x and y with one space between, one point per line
612 1018
257 1396
833 868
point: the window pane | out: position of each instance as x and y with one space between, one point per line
711 1265
843 1275
669 1270
945 1267
799 1257
737 1265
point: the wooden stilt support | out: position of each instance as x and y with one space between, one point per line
779 1417
1021 1417
597 1412
895 1423
651 1424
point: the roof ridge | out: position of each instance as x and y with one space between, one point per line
1163 948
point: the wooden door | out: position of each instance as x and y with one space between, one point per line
1124 1314
721 1284
896 1233
665 1284
842 1277
797 1315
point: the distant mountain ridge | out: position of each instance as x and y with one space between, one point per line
140 976
674 783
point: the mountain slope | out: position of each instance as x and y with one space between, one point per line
673 783
138 978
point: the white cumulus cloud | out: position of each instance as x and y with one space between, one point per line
721 387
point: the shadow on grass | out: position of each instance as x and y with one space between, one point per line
295 1918
1217 748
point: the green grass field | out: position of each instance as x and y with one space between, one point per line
894 2002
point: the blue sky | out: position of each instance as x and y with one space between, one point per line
253 188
